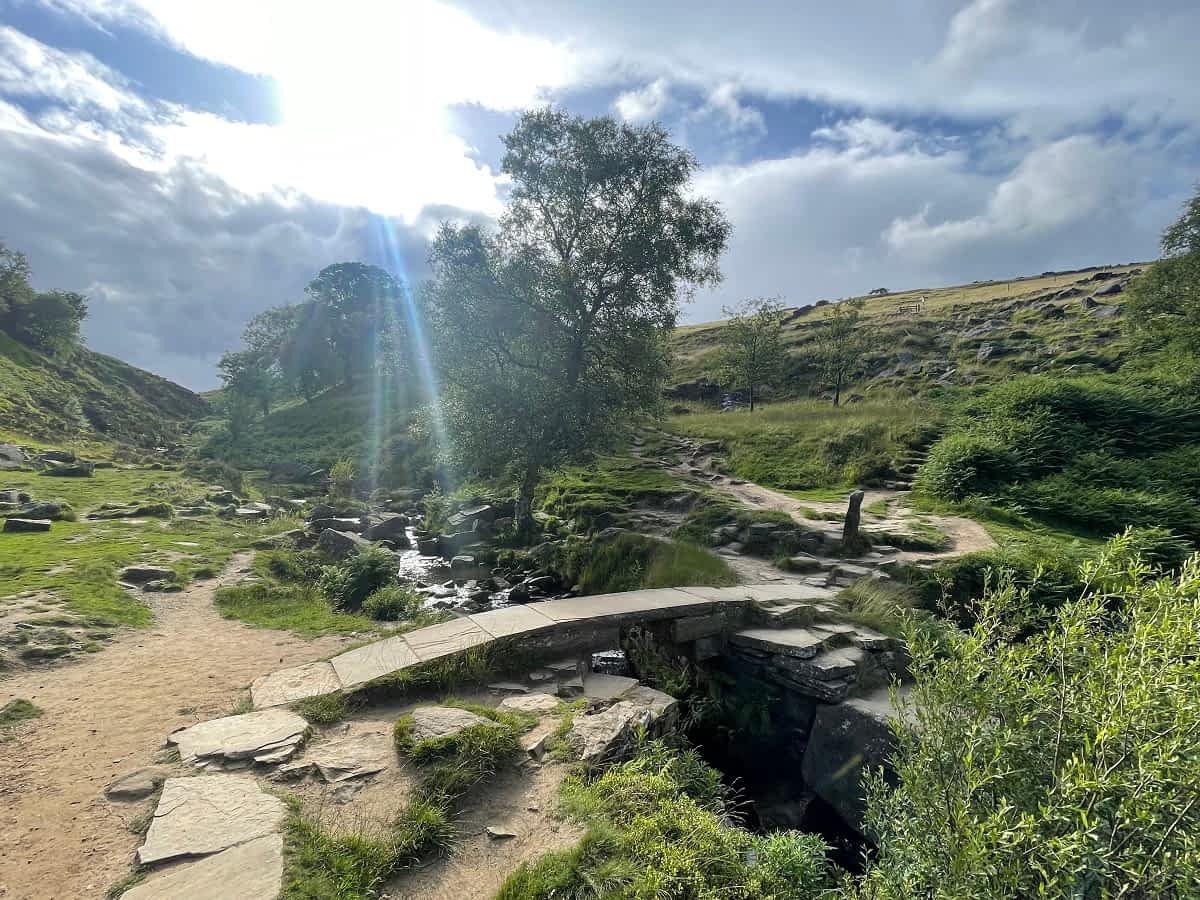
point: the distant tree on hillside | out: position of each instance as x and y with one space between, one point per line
552 332
359 303
1164 303
48 320
752 352
248 375
306 358
840 343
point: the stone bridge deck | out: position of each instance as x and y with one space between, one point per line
544 623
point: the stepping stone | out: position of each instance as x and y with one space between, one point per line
136 785
297 683
364 664
249 871
269 735
801 643
534 703
433 722
207 814
597 686
142 574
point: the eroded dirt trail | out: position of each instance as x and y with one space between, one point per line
107 715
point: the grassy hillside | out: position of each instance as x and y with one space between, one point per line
378 426
88 396
982 332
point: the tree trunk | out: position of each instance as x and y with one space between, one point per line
837 391
524 510
751 398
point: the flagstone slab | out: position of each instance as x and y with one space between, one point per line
511 621
353 757
249 871
263 736
441 640
209 813
633 606
357 667
297 683
801 643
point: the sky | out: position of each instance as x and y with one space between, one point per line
187 165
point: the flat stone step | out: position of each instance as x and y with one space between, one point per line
802 643
260 736
209 813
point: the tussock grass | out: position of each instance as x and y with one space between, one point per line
14 712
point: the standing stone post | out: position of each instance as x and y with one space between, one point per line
852 541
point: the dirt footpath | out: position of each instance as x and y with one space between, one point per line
107 715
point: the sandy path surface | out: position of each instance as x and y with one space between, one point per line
107 715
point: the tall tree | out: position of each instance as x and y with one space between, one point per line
248 375
551 332
1164 303
359 303
841 342
15 290
752 351
49 321
305 356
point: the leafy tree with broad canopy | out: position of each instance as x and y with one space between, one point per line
1164 303
47 320
359 303
752 351
551 331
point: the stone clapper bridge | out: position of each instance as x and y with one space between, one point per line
789 634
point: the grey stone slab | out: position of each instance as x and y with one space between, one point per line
252 735
357 667
441 640
535 703
692 628
136 785
663 603
289 685
353 757
598 686
207 814
738 594
249 871
512 620
434 722
799 591
802 643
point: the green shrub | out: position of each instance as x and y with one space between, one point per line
1061 766
632 561
341 477
962 465
348 584
324 709
393 603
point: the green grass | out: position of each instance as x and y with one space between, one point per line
659 826
85 397
803 446
324 709
93 553
601 494
14 712
355 867
300 609
632 562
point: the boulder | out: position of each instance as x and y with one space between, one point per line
1110 290
208 814
392 528
435 722
143 574
322 511
79 469
12 457
340 545
17 524
56 456
14 496
221 496
465 519
250 512
337 524
1106 312
459 563
430 546
350 757
847 740
608 733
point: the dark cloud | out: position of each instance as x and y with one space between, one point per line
174 262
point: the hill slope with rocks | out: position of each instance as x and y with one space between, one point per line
1068 323
85 395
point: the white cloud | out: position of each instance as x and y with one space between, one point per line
723 101
644 104
866 135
